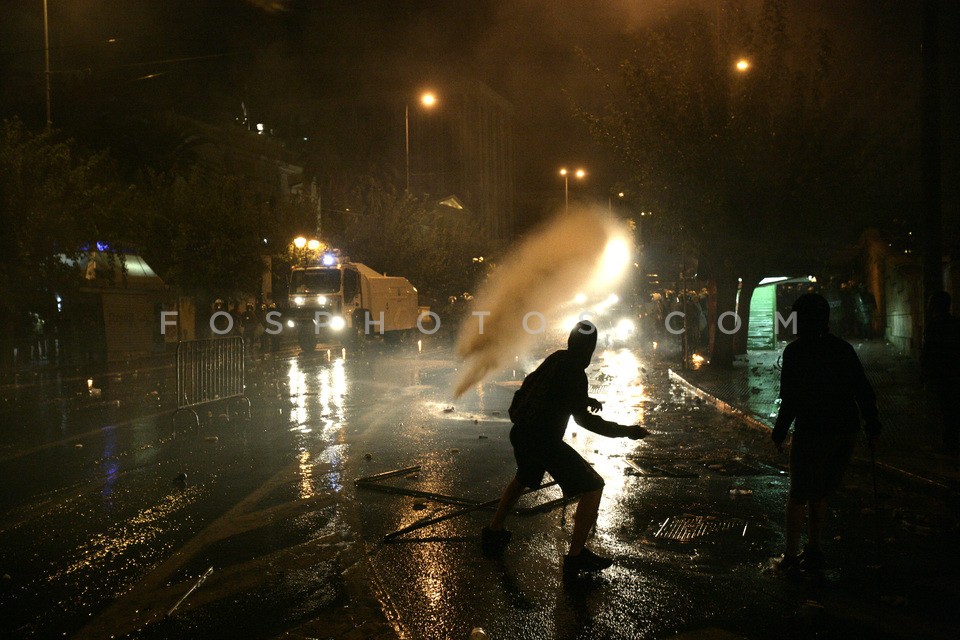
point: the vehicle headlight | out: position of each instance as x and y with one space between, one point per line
625 328
290 323
321 299
337 323
298 301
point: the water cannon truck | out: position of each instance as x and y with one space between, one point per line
337 300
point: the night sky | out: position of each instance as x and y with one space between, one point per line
203 58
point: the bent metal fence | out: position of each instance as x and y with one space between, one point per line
209 371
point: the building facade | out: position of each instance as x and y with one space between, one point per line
464 147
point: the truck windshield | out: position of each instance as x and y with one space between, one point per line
315 281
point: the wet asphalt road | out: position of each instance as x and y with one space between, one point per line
97 539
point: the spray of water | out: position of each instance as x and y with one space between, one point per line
574 258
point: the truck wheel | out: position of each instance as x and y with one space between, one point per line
306 338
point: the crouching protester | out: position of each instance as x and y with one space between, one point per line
540 411
824 390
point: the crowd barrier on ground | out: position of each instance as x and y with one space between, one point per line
209 371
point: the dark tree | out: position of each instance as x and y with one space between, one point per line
56 205
736 134
203 233
401 235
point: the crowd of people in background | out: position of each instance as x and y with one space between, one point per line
853 312
658 326
52 337
249 321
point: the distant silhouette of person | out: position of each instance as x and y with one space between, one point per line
540 411
237 316
37 341
940 364
220 323
848 310
274 337
250 323
866 306
262 336
824 389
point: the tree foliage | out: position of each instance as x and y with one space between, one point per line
203 230
203 233
754 170
398 234
55 203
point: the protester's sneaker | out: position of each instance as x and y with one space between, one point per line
586 560
812 560
494 542
785 565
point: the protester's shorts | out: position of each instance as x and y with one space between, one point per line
574 474
817 463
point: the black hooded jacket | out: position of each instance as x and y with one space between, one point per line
556 390
824 388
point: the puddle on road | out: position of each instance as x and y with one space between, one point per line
144 528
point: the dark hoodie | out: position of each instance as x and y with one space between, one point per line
822 384
558 389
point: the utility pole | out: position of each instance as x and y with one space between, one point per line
931 222
46 61
406 137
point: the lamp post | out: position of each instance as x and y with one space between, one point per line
643 214
579 173
46 61
620 195
428 100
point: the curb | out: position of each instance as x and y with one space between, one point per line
725 407
909 476
755 422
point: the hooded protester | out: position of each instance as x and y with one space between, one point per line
940 365
540 411
824 390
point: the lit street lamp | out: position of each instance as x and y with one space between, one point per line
643 214
579 173
307 250
743 65
428 100
620 195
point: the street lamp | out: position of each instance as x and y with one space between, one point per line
313 245
300 242
429 100
743 65
579 173
620 195
46 60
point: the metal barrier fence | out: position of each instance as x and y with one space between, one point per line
209 371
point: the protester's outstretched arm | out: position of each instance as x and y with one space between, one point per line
606 428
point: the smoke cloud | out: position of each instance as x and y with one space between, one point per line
581 255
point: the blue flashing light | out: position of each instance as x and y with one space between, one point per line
329 260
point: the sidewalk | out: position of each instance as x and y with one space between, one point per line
908 413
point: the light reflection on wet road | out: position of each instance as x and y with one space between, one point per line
99 539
